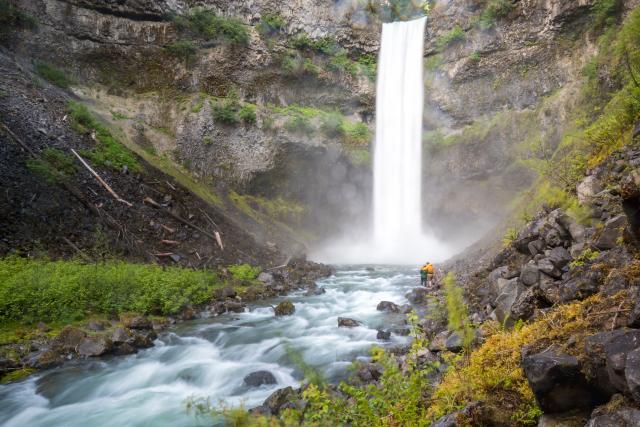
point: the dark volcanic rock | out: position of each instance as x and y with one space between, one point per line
557 382
632 373
383 335
418 295
285 308
234 306
278 399
345 322
224 293
258 378
530 275
559 257
388 306
95 346
621 417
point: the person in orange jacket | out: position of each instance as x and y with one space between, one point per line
426 274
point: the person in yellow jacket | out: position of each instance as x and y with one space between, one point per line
426 274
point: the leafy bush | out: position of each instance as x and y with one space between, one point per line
109 151
356 133
206 24
12 17
38 290
184 49
341 63
331 124
54 165
456 34
299 124
248 114
475 57
368 66
457 312
301 42
310 67
244 272
604 12
53 74
225 112
270 24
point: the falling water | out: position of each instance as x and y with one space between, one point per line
398 149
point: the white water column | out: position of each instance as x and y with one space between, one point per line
398 143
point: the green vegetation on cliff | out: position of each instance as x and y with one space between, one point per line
12 17
206 24
52 74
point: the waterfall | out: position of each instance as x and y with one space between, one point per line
398 147
398 236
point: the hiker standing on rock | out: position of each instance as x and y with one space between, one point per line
426 274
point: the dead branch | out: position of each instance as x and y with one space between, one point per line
100 180
168 229
163 254
210 220
219 240
619 310
615 318
170 186
150 201
77 249
169 242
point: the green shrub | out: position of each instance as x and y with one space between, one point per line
331 124
301 42
109 151
311 68
368 66
206 24
225 112
248 114
38 290
341 63
12 17
475 57
183 49
270 24
54 165
299 124
457 312
493 10
356 133
326 45
291 64
207 140
456 34
244 272
604 12
53 74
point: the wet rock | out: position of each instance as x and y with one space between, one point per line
259 378
605 358
345 322
97 325
403 332
137 322
588 188
388 306
557 382
278 399
143 339
45 359
234 306
124 349
577 232
632 373
530 275
94 346
383 335
217 308
559 257
584 284
68 339
285 308
316 291
621 417
187 313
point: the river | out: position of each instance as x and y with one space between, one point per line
209 358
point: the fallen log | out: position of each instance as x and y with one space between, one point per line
150 201
100 180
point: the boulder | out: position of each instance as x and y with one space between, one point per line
563 420
557 382
224 293
632 373
403 332
314 291
612 231
68 339
45 359
285 308
577 232
97 325
234 306
550 289
265 277
418 295
143 339
634 316
525 305
345 322
121 335
530 275
438 343
615 282
383 335
588 188
388 306
547 267
124 349
507 297
553 237
583 284
278 399
559 257
95 346
535 247
259 378
454 343
605 359
137 322
368 372
576 249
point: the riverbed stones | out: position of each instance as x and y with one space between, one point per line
388 306
285 308
259 378
346 322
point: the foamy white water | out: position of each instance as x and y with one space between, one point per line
398 236
210 358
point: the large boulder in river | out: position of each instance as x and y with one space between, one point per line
95 346
285 308
278 400
557 382
418 295
258 378
388 306
345 322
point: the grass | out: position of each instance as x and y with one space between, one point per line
183 49
493 10
247 114
40 290
455 35
300 124
54 165
226 112
109 152
270 24
11 17
244 272
53 74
